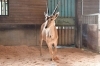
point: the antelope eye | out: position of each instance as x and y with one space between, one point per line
51 19
45 26
47 18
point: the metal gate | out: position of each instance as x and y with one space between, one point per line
65 22
28 34
66 7
90 32
66 34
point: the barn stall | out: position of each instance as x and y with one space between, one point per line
90 32
19 33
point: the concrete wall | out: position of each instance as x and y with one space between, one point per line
19 34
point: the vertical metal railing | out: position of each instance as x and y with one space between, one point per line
4 7
66 35
1 7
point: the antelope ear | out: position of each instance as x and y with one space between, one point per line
57 14
44 13
48 17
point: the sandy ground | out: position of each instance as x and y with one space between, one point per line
30 56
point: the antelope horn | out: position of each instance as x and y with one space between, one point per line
46 13
47 8
56 8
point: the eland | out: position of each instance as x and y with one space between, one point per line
49 33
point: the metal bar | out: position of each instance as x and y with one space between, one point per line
76 27
61 8
74 34
89 20
61 35
62 2
5 6
53 6
71 34
80 37
64 34
1 7
55 2
36 33
82 7
68 35
58 34
99 6
50 6
94 19
71 8
50 3
66 8
56 8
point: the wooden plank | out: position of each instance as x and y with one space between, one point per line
25 11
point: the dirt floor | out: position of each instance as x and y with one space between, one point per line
30 56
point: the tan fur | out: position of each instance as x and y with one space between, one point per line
50 35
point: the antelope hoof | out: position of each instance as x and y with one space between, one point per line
40 54
51 59
56 58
